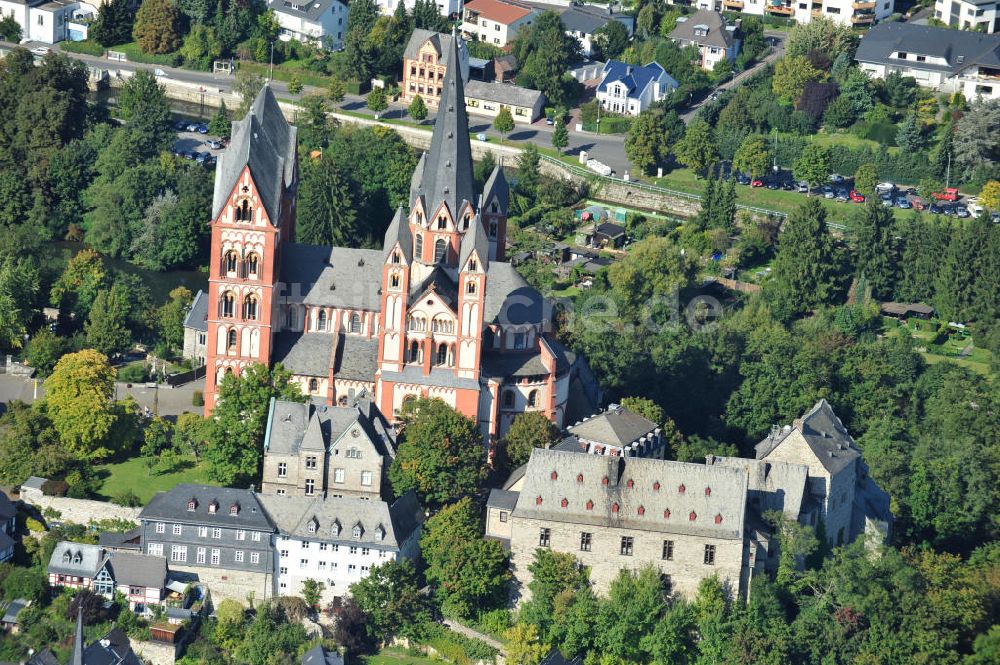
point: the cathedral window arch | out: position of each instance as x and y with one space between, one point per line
253 265
394 280
418 245
355 323
244 213
231 261
251 307
416 353
441 358
441 324
470 287
416 323
533 399
321 320
440 249
313 385
227 304
395 258
473 265
231 343
442 222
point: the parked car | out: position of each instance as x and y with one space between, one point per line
802 186
773 184
549 120
884 187
757 182
201 157
203 128
788 186
40 50
192 127
742 179
887 200
949 194
189 154
903 203
836 178
947 209
995 217
934 209
857 196
213 144
842 195
962 211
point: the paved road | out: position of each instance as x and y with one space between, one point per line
167 401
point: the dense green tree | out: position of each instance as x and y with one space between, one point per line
806 267
19 284
504 122
544 52
236 438
823 35
326 215
30 445
651 136
417 109
376 101
114 23
10 29
752 157
909 138
78 398
221 122
865 179
106 328
157 27
529 430
560 136
247 85
611 39
976 143
635 601
650 275
270 638
876 249
813 165
170 317
791 74
44 350
390 595
552 575
441 456
696 149
899 90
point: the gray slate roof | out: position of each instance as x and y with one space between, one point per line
306 354
138 569
197 316
615 427
311 10
960 48
91 559
502 499
526 363
475 240
292 516
7 508
824 433
510 299
289 426
320 656
44 657
778 485
441 42
332 276
128 540
398 232
264 141
589 20
496 185
447 172
503 93
441 377
642 489
173 506
711 21
118 650
15 607
356 357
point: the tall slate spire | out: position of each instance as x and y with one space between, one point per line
447 169
77 658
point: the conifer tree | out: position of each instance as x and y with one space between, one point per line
875 248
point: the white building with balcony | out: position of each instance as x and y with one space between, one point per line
938 58
857 13
630 90
338 540
979 15
50 22
317 22
495 22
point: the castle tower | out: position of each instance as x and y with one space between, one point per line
442 189
473 264
253 212
397 251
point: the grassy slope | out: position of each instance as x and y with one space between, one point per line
132 475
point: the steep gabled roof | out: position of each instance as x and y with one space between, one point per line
265 142
475 240
496 186
447 168
711 22
197 316
635 79
398 232
959 48
615 427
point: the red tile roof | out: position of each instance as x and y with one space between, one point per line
500 11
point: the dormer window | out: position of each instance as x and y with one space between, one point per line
442 223
234 510
335 528
395 257
312 525
213 507
192 504
380 533
77 558
356 531
67 557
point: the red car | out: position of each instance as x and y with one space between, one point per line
757 182
857 197
950 194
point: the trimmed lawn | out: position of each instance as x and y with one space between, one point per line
978 367
845 139
132 475
396 656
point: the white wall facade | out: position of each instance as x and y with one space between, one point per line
967 15
327 30
970 83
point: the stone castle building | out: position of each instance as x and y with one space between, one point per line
436 312
689 521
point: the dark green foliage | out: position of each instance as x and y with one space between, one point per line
390 596
544 53
875 248
10 29
326 213
114 23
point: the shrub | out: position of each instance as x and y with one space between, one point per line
127 498
495 622
197 398
55 488
133 373
86 47
33 525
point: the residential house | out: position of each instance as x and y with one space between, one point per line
128 541
505 68
978 15
495 21
313 450
8 527
583 22
630 89
321 23
425 60
80 566
47 21
337 540
487 99
708 32
220 534
687 520
141 578
448 8
196 330
616 432
601 235
938 58
10 621
859 14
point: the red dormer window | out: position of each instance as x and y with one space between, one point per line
579 477
213 507
614 507
656 486
564 503
708 491
666 514
604 480
718 518
554 476
681 489
234 509
538 500
641 511
630 484
693 516
590 505
192 504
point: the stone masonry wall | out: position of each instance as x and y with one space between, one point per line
235 584
80 511
686 569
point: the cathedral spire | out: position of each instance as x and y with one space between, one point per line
447 169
